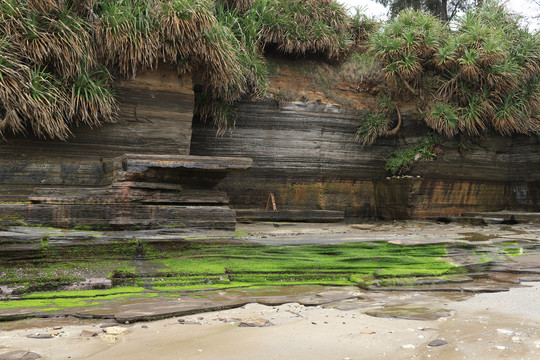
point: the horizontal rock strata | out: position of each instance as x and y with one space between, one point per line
180 193
307 157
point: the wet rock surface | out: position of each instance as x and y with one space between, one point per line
20 355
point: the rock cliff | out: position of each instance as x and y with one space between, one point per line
305 153
156 111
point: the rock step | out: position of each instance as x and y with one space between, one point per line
503 217
127 192
119 216
313 216
199 171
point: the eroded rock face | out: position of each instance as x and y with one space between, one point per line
309 159
147 192
156 110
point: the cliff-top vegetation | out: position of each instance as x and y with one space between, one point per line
59 60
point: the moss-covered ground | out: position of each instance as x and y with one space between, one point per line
170 270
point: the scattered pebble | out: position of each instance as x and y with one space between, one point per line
437 342
109 338
89 333
115 330
255 322
54 332
408 346
505 332
39 336
106 325
500 347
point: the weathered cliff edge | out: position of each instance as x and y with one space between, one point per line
305 153
156 111
132 175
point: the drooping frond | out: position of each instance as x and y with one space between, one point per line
481 75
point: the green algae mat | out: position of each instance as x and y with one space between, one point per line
165 270
139 271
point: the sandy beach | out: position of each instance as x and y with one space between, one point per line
503 325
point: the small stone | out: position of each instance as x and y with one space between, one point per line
109 338
145 327
57 328
19 355
437 342
255 322
188 322
115 330
89 333
500 347
408 346
54 332
505 332
516 339
313 323
367 332
39 336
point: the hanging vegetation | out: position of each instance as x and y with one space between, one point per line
49 76
483 76
57 56
58 59
304 27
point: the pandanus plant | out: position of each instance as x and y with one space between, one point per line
481 76
45 51
58 57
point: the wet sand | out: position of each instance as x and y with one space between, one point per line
484 326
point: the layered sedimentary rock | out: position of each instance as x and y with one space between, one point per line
156 110
147 192
307 156
134 174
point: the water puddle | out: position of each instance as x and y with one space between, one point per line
410 312
477 237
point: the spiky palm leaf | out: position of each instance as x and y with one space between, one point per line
444 119
470 81
303 27
372 125
127 35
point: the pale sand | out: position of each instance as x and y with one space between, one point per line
486 326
